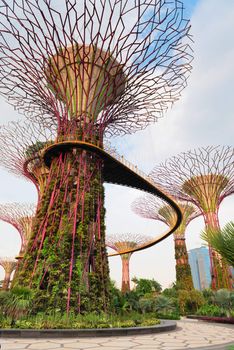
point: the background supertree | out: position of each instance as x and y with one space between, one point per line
21 143
154 208
9 265
204 177
19 215
92 68
121 243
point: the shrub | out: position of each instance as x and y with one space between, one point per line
165 305
190 301
210 310
150 322
169 316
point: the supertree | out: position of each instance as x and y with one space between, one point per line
121 243
21 143
154 208
91 68
9 265
20 216
204 177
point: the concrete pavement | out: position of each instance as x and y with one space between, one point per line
188 335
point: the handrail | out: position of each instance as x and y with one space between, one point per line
125 174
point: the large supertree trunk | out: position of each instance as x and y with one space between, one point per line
66 260
221 276
183 270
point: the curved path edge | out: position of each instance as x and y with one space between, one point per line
165 326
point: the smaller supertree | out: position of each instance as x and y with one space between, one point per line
154 208
205 177
19 215
121 243
9 265
21 144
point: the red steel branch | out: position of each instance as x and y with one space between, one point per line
148 40
204 177
90 68
154 208
21 143
19 215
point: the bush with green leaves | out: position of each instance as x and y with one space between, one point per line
146 286
210 310
17 302
87 321
190 301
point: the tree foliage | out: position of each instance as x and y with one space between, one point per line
144 286
222 241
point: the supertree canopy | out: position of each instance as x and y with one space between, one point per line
204 177
19 215
154 208
9 265
92 68
21 144
120 243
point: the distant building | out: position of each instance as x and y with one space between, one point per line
199 261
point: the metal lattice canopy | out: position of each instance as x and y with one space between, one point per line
151 207
204 176
20 146
126 241
19 215
8 263
112 66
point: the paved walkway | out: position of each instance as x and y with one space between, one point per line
189 335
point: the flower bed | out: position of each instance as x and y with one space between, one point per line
218 319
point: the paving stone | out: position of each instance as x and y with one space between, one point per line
81 344
113 343
13 346
188 336
44 346
146 347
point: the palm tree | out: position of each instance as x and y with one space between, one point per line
222 241
17 302
164 305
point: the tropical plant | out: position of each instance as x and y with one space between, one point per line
17 302
164 305
146 304
225 300
210 310
222 241
144 286
171 292
190 301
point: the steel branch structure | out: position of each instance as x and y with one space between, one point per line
154 208
140 48
9 265
204 177
120 243
91 68
19 215
20 151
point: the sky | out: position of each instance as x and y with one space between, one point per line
203 116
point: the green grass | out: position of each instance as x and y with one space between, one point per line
230 347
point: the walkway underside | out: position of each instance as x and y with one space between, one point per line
117 172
